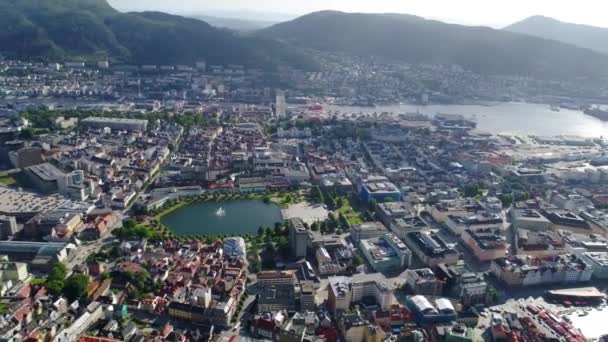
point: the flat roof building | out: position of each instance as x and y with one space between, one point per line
24 205
298 238
458 224
431 249
277 277
598 262
564 219
367 230
45 177
343 291
380 191
56 222
402 226
528 270
235 247
423 282
584 242
486 244
387 212
530 219
543 242
386 254
39 255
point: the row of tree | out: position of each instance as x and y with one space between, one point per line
74 287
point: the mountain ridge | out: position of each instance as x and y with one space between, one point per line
585 36
92 29
417 40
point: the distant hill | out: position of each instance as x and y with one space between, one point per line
590 37
92 29
417 40
236 24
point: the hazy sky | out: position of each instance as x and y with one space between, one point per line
495 13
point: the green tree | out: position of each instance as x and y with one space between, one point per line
373 203
130 223
76 286
256 266
269 263
507 200
323 228
314 227
521 196
331 217
58 272
55 287
270 247
268 231
278 229
471 190
260 231
356 261
329 202
332 225
343 220
27 134
283 246
317 195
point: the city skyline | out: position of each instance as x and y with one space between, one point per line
468 12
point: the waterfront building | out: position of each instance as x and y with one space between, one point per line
599 264
528 270
234 247
298 238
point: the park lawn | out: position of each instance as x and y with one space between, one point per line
8 180
352 216
354 220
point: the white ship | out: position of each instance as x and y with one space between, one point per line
220 212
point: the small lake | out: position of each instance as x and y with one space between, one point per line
224 217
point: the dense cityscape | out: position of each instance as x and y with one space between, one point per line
196 203
336 176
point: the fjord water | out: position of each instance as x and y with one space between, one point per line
506 117
241 217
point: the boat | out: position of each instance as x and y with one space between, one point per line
220 212
555 108
583 313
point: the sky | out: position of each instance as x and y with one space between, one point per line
495 13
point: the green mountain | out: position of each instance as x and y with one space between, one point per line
590 37
92 29
417 40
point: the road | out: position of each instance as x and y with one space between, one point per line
90 247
